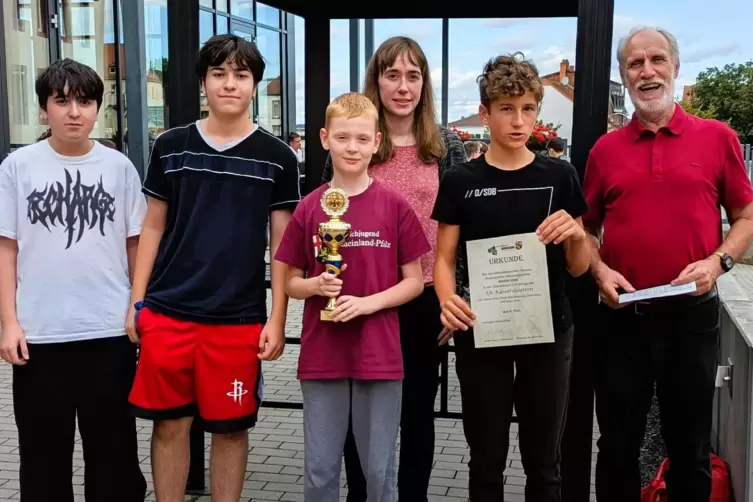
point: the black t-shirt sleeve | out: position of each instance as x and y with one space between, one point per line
155 184
571 197
447 205
287 189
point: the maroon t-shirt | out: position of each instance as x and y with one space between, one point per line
385 234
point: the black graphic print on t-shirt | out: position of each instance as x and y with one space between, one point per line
74 205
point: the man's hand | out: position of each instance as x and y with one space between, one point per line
559 227
609 281
133 335
350 307
272 341
328 284
704 273
456 314
11 341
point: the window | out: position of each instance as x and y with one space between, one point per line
267 15
222 25
276 109
155 29
270 89
22 17
277 130
300 81
339 57
242 8
206 26
19 109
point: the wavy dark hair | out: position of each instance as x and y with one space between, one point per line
509 75
429 142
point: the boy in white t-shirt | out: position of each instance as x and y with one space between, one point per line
71 211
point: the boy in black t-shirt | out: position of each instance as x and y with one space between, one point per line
508 191
199 294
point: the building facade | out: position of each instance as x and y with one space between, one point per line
37 32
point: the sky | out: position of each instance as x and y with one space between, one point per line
709 33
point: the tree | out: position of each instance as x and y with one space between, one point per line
693 108
726 94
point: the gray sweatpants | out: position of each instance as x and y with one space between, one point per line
375 407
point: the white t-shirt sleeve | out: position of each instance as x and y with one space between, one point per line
8 201
135 202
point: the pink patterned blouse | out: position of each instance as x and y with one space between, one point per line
419 183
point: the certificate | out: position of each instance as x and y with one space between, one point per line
657 292
509 286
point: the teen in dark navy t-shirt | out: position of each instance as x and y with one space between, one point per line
199 294
210 267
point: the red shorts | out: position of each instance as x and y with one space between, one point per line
185 367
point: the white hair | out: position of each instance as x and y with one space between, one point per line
674 48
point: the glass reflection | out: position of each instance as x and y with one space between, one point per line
269 93
242 8
27 49
267 15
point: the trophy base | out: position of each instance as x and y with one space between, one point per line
325 315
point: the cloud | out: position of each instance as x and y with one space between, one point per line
457 79
548 61
415 28
504 23
621 25
701 54
515 42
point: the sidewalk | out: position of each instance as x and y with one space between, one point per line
275 460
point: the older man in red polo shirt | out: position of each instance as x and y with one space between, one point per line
654 189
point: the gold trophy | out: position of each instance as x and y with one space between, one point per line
333 234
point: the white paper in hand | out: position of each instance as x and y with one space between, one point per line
657 292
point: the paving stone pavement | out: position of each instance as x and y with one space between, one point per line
275 460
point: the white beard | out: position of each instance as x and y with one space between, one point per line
654 107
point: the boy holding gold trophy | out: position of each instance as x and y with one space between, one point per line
350 343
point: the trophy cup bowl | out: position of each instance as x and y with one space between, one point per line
333 234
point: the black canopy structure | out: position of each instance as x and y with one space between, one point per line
593 63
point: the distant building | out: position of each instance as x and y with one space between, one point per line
557 105
472 125
687 94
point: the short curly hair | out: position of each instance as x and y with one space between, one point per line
511 76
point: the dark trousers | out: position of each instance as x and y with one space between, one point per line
533 378
89 380
674 344
419 329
